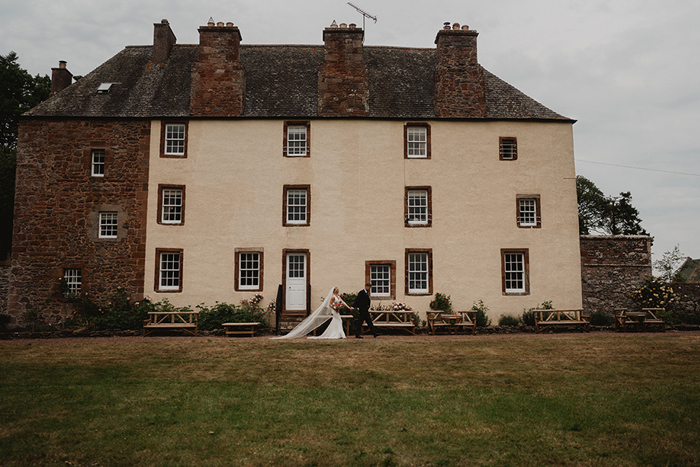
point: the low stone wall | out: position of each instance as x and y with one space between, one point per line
612 267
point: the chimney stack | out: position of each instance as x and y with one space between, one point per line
343 89
61 78
163 41
218 77
459 79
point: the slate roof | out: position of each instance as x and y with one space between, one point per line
281 82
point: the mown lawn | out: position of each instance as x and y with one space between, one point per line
567 399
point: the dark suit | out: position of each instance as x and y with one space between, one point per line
362 302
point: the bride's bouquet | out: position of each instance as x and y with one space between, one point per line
336 306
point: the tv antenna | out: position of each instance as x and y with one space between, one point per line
364 15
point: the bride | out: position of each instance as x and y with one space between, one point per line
328 310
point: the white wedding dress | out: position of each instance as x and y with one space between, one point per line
316 319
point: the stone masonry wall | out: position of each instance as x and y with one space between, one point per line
687 304
611 268
57 205
4 287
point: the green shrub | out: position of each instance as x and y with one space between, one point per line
600 318
117 313
4 321
655 293
508 320
441 302
528 316
249 311
482 319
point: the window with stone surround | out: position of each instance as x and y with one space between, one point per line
382 276
249 269
296 139
507 148
174 139
297 205
416 141
74 281
169 270
528 209
109 222
98 163
171 204
515 272
419 272
418 206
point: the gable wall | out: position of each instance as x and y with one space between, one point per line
56 206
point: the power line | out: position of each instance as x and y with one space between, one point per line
639 168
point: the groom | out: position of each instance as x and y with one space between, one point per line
362 302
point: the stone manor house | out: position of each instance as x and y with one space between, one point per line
215 171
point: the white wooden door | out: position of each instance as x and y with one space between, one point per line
296 282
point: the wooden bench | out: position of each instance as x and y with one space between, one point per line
240 329
452 322
548 318
185 320
396 319
639 320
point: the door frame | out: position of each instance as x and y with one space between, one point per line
286 252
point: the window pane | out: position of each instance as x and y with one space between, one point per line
296 206
175 139
416 143
508 149
170 270
296 140
528 212
417 206
172 206
380 278
515 272
418 272
249 270
108 225
74 281
98 163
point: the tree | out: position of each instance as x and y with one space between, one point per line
19 92
669 264
601 214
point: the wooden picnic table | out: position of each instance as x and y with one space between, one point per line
452 322
185 320
399 319
548 318
240 329
639 320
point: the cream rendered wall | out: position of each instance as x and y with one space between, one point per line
235 173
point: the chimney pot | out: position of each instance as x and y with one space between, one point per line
343 26
353 25
465 28
164 21
446 25
229 24
220 24
210 22
455 26
62 63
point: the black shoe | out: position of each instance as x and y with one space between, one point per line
376 334
358 337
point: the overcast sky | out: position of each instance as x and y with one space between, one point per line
627 70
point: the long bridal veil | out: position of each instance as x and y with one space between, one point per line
314 320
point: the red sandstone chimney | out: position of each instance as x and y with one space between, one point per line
459 79
61 78
163 41
343 89
218 77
